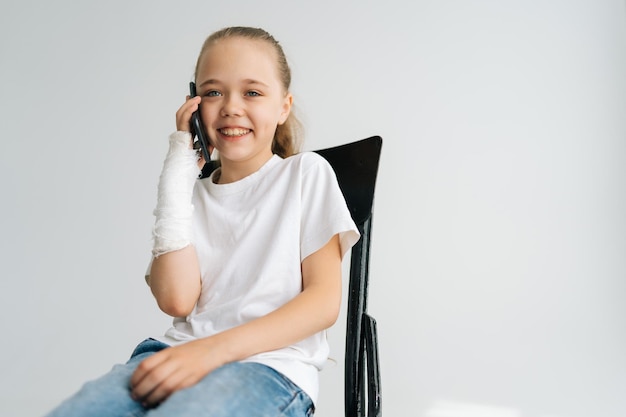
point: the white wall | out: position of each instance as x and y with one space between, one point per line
498 270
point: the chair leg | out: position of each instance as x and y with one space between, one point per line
373 367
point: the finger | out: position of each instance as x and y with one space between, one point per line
176 381
191 102
146 365
201 161
140 372
148 376
183 115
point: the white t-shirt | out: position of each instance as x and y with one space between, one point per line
251 237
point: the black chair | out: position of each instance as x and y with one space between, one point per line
356 167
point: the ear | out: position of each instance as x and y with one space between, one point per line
286 108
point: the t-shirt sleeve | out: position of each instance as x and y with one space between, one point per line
324 210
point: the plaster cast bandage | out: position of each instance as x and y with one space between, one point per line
172 228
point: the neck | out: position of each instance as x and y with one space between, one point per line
232 171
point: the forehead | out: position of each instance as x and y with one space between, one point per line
238 58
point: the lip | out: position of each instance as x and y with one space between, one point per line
234 132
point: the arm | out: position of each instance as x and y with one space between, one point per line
174 277
314 309
175 281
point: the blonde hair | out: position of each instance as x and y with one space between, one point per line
287 138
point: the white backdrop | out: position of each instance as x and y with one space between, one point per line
498 269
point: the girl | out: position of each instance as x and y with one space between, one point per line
247 261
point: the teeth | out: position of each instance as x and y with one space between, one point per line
234 132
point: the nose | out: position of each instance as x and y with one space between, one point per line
232 106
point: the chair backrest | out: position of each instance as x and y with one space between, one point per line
356 167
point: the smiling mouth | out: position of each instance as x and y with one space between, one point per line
233 132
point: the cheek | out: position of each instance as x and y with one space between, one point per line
265 117
207 111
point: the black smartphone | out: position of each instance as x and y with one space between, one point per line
197 127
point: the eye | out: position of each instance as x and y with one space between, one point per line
253 93
212 93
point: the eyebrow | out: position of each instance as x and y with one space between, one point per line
247 81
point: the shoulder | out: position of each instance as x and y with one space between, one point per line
306 162
312 173
307 171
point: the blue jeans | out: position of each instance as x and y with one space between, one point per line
234 390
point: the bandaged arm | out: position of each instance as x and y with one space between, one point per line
174 275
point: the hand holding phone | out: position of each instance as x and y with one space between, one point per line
197 127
